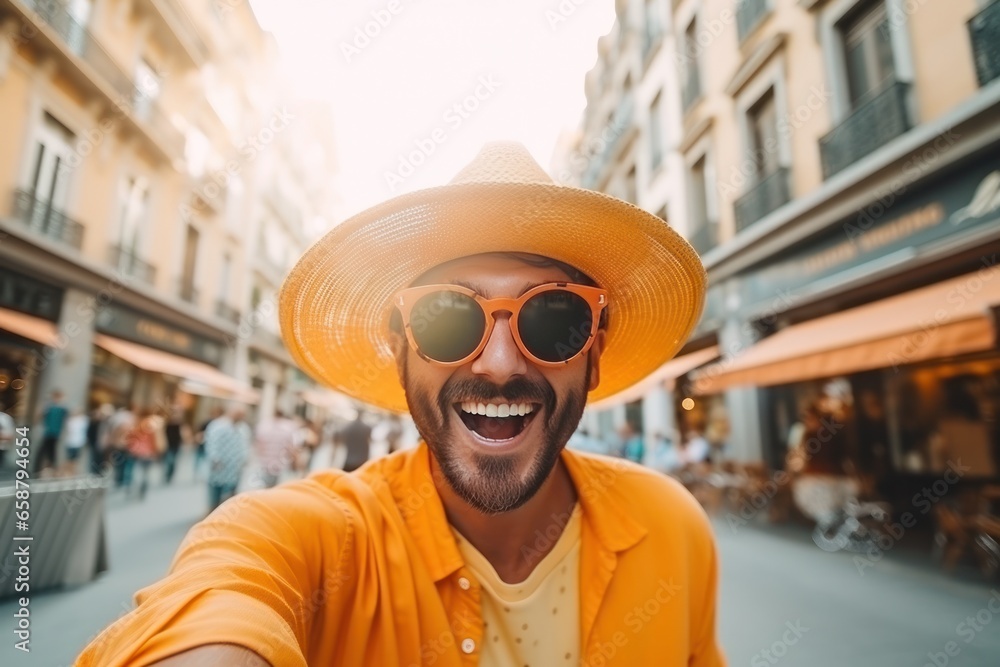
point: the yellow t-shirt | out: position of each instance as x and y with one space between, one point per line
534 623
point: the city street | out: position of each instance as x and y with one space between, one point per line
782 601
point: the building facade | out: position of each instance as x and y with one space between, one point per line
835 165
147 154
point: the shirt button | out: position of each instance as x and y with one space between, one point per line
468 646
463 583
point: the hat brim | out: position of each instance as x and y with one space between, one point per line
334 306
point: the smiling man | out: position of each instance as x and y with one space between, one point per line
492 309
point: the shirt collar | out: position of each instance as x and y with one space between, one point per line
600 486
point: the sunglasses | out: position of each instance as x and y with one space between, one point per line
552 324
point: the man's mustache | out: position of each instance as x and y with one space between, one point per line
518 390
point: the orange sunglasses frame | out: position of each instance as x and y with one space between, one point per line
596 297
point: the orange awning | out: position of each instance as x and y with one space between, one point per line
196 372
30 327
946 319
665 374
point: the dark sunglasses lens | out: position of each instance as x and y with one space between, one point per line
555 325
447 326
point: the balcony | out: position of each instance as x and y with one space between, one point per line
874 123
749 13
128 263
124 96
227 312
42 218
177 21
691 90
767 195
611 136
186 291
704 237
984 32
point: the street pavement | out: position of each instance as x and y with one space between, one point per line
782 600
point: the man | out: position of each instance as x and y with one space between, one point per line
489 308
120 424
227 448
53 418
274 446
199 438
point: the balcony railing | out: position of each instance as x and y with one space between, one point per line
748 14
183 27
765 196
704 237
42 218
227 312
87 48
871 125
691 90
984 31
128 263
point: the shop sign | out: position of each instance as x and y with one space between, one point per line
968 198
141 328
27 295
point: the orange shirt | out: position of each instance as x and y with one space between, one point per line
363 569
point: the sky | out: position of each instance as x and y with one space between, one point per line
394 71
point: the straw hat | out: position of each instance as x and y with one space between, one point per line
335 305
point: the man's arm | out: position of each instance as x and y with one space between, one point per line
247 577
213 655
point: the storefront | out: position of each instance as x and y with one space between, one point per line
890 320
29 310
143 361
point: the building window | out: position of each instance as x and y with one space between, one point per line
50 172
691 84
702 235
187 284
762 119
133 213
147 88
656 132
652 30
225 269
868 52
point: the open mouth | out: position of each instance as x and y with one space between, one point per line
496 422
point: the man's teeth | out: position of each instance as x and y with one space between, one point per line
498 409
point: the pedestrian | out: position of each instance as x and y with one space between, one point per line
76 439
53 417
120 425
142 450
356 438
173 433
492 309
8 432
274 446
199 438
632 446
227 448
97 429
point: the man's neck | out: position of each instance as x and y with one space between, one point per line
513 542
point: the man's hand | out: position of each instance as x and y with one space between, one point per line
213 655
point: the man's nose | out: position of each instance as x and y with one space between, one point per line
501 359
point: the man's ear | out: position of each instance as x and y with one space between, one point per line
594 359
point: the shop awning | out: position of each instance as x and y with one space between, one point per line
946 319
665 374
28 326
195 373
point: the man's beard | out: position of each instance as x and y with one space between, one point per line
494 484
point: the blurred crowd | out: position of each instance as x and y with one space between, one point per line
133 445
